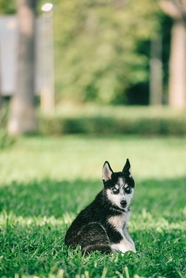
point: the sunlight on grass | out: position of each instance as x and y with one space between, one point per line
139 221
12 220
82 157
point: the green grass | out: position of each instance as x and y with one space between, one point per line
45 182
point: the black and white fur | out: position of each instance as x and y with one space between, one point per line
102 225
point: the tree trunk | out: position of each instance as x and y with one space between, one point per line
48 93
1 99
156 72
22 114
177 66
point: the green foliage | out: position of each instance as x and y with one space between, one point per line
96 47
7 7
44 182
115 120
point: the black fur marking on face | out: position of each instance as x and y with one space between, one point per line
110 184
130 182
115 190
127 190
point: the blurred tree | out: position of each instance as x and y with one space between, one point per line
1 100
155 97
22 114
102 48
6 7
177 71
96 47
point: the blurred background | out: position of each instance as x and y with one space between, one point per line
63 62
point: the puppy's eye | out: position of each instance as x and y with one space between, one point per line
115 190
128 190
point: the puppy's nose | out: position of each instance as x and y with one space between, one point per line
123 203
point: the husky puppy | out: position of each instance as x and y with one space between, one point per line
102 225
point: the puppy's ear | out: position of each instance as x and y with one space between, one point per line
127 168
106 171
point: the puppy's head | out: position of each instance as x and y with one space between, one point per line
119 186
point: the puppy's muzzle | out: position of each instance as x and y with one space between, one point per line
123 203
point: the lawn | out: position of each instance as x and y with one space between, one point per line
46 181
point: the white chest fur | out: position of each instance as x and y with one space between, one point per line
120 221
120 224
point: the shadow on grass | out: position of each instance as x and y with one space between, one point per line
39 248
46 197
54 198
